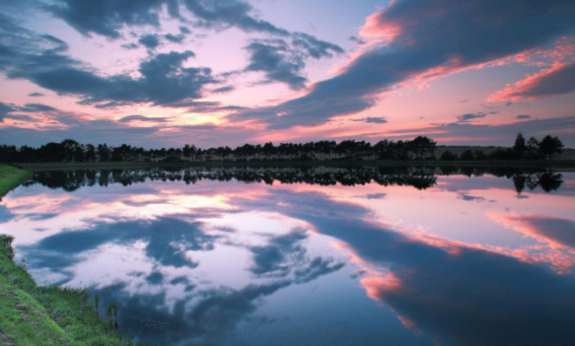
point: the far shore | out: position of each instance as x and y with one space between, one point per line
565 165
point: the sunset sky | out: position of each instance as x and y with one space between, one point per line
224 72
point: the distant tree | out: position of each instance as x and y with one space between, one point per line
467 155
480 155
533 148
103 152
268 148
550 146
448 156
90 152
520 147
189 150
422 146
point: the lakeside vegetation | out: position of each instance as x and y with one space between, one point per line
33 315
419 149
10 177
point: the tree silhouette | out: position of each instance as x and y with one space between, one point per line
550 146
448 156
520 146
420 148
519 182
467 155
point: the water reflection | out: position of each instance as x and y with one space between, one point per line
457 293
338 256
418 177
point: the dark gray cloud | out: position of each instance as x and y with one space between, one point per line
12 111
224 89
373 120
277 61
5 109
523 116
35 94
464 118
137 117
313 47
230 13
108 17
206 106
36 108
130 45
175 38
357 40
477 32
283 60
150 41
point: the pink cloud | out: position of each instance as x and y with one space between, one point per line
375 28
557 79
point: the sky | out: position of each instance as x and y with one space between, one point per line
159 73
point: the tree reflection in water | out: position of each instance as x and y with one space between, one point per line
418 177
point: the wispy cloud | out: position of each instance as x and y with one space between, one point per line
558 79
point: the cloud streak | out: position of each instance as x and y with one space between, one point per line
558 79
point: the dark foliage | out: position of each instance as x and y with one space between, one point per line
420 148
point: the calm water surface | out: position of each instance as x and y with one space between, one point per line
330 258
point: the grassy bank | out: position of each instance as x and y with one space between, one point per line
10 177
32 315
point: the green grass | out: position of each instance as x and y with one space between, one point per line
32 315
10 177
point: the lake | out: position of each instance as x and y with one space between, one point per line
309 256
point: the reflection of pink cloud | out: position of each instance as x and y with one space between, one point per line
377 286
557 237
556 233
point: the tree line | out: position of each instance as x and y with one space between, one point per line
522 149
420 148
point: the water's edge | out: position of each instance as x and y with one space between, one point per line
30 314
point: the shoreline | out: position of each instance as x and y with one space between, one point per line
34 315
11 177
565 165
